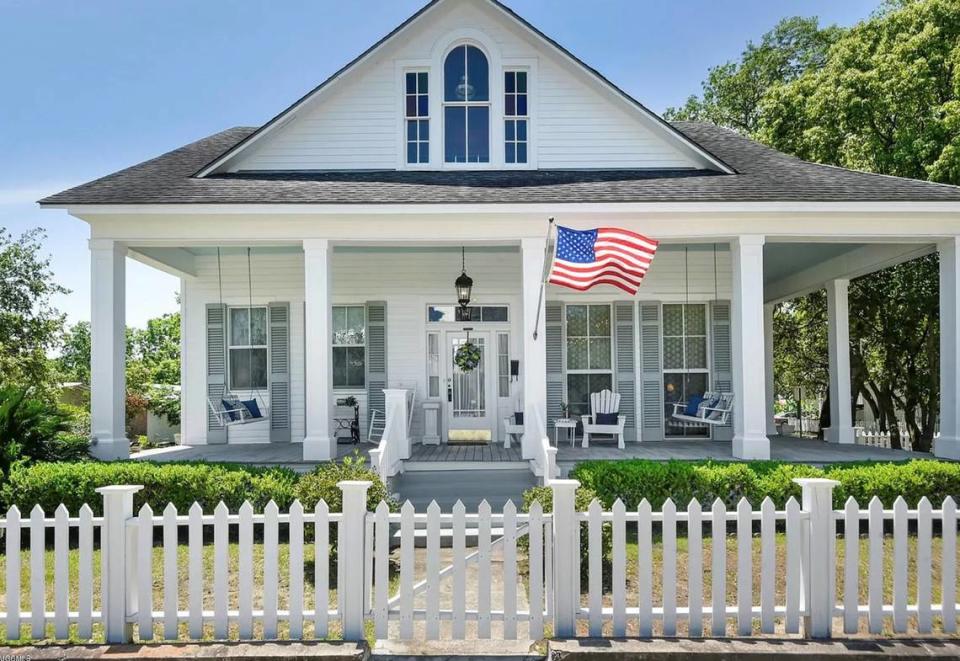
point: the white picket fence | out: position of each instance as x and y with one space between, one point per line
470 579
873 437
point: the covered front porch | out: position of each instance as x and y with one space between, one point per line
307 325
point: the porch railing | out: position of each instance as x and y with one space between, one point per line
394 445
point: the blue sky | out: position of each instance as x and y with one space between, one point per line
92 86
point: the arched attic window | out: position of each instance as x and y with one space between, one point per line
466 106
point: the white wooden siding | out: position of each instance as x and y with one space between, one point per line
576 121
409 281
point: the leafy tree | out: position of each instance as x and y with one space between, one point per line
30 325
74 359
153 357
733 91
882 96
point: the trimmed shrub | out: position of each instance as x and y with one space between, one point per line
583 498
634 480
73 484
321 484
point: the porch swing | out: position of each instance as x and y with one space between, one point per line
231 410
714 407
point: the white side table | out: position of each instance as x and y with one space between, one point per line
570 425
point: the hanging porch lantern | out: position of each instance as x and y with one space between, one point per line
463 283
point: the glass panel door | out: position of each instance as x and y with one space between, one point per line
469 400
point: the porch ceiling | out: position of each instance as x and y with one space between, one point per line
783 259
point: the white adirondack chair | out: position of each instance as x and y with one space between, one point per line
604 401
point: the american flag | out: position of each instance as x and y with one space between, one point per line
606 255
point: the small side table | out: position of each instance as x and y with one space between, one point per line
570 425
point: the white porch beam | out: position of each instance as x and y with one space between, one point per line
749 381
838 339
534 364
175 261
318 444
108 350
947 445
853 264
768 367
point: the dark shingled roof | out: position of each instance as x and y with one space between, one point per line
763 175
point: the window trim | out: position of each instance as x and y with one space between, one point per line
406 119
566 336
708 339
335 345
526 118
489 104
230 347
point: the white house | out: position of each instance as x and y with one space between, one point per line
318 252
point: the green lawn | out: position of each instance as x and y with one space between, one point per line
731 585
334 627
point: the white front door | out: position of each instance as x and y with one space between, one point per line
470 401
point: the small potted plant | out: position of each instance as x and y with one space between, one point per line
564 410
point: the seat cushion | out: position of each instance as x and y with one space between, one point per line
253 408
230 408
693 403
606 419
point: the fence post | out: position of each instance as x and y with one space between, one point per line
351 568
550 472
819 544
566 547
118 546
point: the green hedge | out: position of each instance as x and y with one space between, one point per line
73 484
634 480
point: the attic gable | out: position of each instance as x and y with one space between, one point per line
359 118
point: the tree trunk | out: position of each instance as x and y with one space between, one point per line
824 415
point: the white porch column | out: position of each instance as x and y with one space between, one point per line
749 381
533 364
318 444
108 349
768 367
947 445
838 340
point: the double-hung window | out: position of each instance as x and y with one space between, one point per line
589 354
349 346
685 368
417 114
516 122
247 348
466 106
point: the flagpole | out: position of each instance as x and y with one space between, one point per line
543 277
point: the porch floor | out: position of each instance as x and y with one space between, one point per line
782 448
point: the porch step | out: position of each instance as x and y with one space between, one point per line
471 486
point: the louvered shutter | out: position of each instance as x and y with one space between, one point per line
216 369
626 374
279 372
376 356
651 386
722 359
553 334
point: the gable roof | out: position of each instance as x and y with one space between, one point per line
669 132
762 175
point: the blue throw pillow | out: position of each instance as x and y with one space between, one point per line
518 418
606 419
693 403
252 408
230 408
